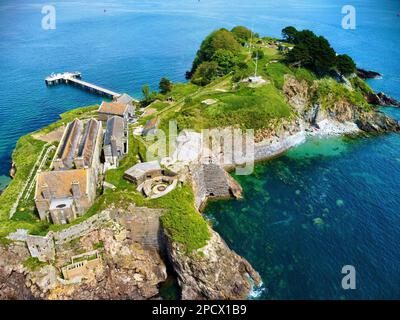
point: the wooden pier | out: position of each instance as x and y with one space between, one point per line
74 78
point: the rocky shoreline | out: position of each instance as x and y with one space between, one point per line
368 74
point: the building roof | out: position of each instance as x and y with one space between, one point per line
113 108
89 140
66 149
124 99
59 182
115 128
140 169
150 125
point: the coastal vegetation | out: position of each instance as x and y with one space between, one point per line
315 53
219 73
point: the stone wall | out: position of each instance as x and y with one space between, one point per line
142 224
82 228
210 181
41 247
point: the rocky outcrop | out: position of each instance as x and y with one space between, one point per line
376 122
381 99
297 93
13 170
213 272
366 74
127 269
12 273
341 112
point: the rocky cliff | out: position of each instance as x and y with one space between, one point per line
127 270
300 96
212 272
12 273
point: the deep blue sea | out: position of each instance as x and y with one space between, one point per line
323 205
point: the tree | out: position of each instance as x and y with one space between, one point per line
289 34
312 52
220 39
205 73
345 64
225 60
165 85
259 54
146 92
241 71
242 34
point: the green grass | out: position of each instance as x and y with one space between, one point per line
182 90
98 245
251 108
158 105
33 264
361 85
329 92
275 72
182 223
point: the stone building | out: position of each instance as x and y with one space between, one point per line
115 141
69 190
63 195
65 154
81 265
142 171
41 248
124 99
110 109
151 126
80 146
210 180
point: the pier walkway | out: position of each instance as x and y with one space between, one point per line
74 79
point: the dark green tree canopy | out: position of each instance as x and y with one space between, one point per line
225 59
258 53
345 64
310 51
242 34
289 34
205 73
165 85
220 39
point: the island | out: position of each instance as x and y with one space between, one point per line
92 214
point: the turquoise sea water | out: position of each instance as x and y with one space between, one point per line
322 205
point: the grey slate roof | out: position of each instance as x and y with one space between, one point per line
124 98
115 128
